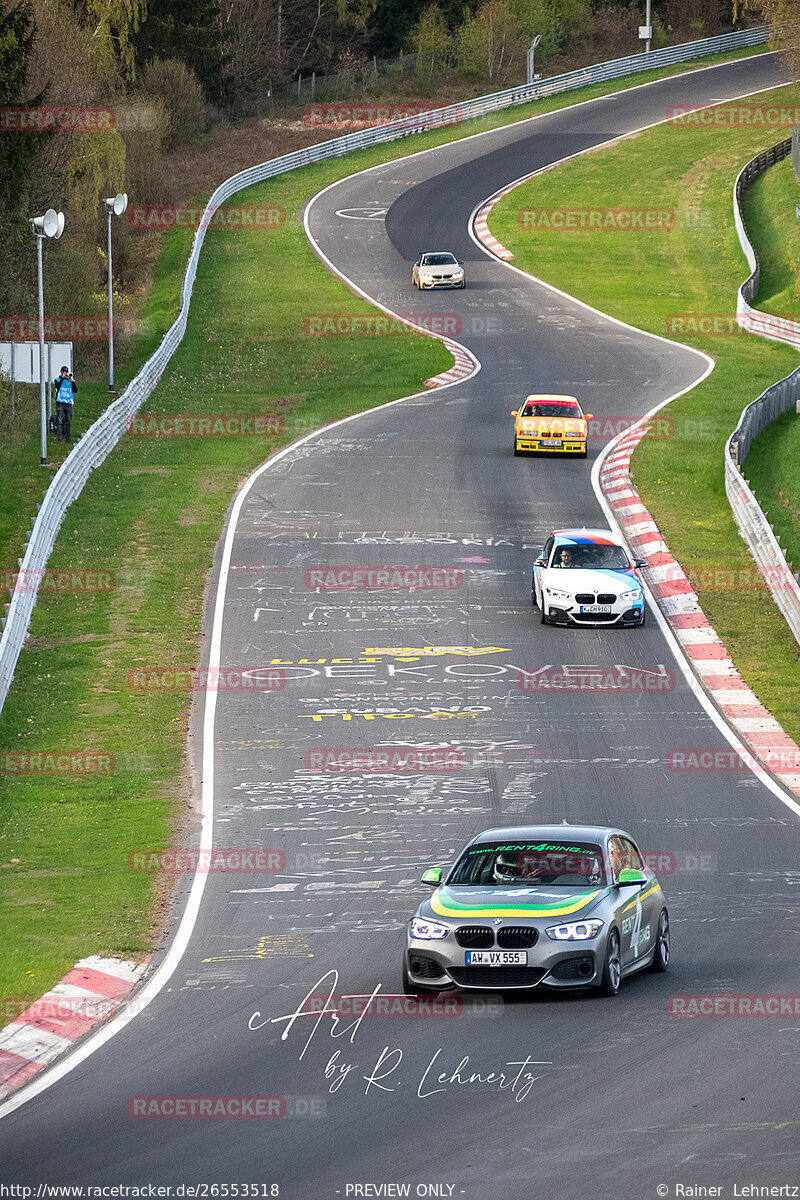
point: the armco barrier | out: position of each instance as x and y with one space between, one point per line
775 328
776 400
103 435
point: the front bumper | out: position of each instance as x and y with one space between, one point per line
565 612
568 446
440 966
441 283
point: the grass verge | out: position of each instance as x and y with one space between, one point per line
649 278
152 515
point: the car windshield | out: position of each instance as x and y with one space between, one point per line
530 864
552 410
438 260
591 557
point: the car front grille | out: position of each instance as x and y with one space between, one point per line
497 977
517 937
477 937
585 598
606 598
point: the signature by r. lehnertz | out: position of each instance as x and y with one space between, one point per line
516 1077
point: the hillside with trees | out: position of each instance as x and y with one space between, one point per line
177 72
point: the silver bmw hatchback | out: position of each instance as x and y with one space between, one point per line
558 906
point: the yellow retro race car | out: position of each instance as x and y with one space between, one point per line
552 424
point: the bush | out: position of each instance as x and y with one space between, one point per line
177 87
430 38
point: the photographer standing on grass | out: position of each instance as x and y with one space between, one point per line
65 399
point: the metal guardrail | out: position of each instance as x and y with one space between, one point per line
779 329
106 431
782 396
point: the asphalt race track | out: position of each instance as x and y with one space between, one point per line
607 1098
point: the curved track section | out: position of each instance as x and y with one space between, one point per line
597 1098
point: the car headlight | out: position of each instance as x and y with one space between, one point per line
557 595
429 930
575 931
634 594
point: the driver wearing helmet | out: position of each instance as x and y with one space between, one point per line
510 868
507 868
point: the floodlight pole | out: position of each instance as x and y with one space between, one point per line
647 23
109 211
115 206
529 56
50 225
42 401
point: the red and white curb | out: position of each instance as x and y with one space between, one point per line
461 368
90 993
480 222
771 747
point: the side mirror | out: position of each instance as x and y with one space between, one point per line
433 877
588 416
629 878
640 562
539 562
514 412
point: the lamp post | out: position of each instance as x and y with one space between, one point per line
529 56
50 225
646 30
115 206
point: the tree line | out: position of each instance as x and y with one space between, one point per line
167 67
